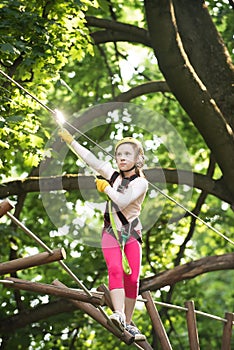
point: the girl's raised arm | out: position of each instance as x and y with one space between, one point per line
103 168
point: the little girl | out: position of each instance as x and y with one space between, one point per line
126 189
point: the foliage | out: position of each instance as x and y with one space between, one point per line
44 36
48 48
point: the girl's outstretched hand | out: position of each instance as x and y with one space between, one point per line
66 136
101 184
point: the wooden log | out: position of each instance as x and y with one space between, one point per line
142 343
227 331
103 288
95 313
156 321
5 206
192 326
30 261
96 298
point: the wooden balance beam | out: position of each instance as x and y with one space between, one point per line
96 298
95 313
5 206
30 261
143 344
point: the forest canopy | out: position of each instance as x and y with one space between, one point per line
160 71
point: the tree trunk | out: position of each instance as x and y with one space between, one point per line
207 53
188 86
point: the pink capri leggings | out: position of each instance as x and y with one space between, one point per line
113 257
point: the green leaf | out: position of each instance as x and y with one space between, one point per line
6 47
104 4
15 118
4 144
31 160
35 140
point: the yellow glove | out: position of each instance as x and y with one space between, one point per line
101 184
66 136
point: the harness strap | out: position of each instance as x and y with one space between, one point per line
133 233
128 228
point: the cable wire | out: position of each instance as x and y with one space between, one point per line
159 190
54 113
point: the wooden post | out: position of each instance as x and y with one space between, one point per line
30 261
5 206
156 321
192 326
98 316
227 331
96 298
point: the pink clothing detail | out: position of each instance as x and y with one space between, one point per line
113 257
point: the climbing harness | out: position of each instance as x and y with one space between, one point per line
127 229
56 117
113 231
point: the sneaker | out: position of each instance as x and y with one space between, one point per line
119 320
135 332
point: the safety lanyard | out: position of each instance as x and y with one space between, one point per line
125 262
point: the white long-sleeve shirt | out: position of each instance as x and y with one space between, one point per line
128 202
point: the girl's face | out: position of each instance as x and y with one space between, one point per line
125 156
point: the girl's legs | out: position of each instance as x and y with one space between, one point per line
113 258
129 309
123 288
133 252
118 299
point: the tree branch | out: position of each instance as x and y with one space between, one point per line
118 27
70 182
105 36
196 211
22 319
143 89
188 271
116 31
179 273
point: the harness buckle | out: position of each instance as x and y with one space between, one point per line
125 232
121 188
109 229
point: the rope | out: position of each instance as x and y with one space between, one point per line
44 246
160 191
125 263
36 238
54 113
65 267
192 214
27 92
181 308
